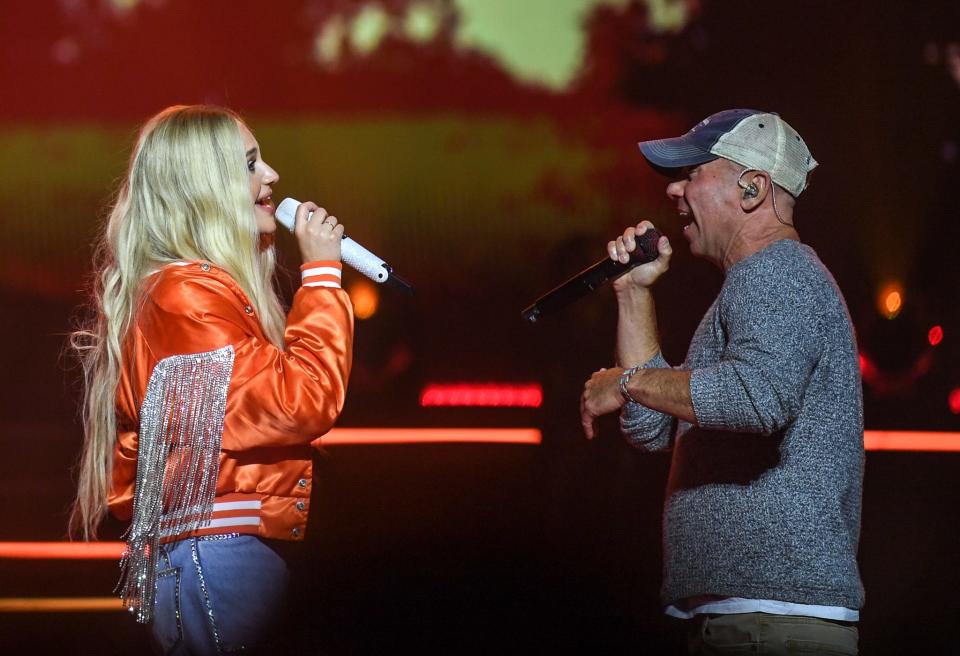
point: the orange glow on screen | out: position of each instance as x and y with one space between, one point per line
890 299
365 297
891 303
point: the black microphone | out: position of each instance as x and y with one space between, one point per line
589 279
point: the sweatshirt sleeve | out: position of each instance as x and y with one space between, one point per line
772 347
646 429
275 397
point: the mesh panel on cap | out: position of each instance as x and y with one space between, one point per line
775 148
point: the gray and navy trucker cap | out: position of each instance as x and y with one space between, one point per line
757 140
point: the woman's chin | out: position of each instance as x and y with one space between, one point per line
266 223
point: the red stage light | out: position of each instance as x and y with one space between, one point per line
504 395
954 401
935 336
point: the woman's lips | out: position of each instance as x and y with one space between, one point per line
267 204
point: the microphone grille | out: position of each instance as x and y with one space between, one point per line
286 212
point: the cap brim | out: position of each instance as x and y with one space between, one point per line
670 154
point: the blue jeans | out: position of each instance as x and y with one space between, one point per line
217 595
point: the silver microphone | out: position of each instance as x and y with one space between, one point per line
352 253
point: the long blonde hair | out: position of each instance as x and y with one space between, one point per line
186 196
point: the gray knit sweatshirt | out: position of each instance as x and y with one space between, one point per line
763 498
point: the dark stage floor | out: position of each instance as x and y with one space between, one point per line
476 549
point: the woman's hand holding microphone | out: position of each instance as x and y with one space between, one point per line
319 234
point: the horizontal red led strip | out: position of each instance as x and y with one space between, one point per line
501 395
910 441
341 436
59 604
62 550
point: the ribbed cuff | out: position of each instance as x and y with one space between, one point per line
706 394
322 273
656 362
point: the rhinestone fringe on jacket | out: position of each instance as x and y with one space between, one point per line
181 426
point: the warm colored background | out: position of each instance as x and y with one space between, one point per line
486 149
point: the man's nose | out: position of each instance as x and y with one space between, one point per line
675 189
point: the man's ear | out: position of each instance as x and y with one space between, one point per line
756 186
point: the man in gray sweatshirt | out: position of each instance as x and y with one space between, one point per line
765 415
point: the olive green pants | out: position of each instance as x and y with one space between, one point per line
761 633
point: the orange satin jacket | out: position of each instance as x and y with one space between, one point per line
278 403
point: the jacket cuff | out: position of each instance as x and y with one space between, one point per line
322 273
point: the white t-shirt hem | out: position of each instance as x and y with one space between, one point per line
732 605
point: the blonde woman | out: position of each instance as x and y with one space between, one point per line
202 401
